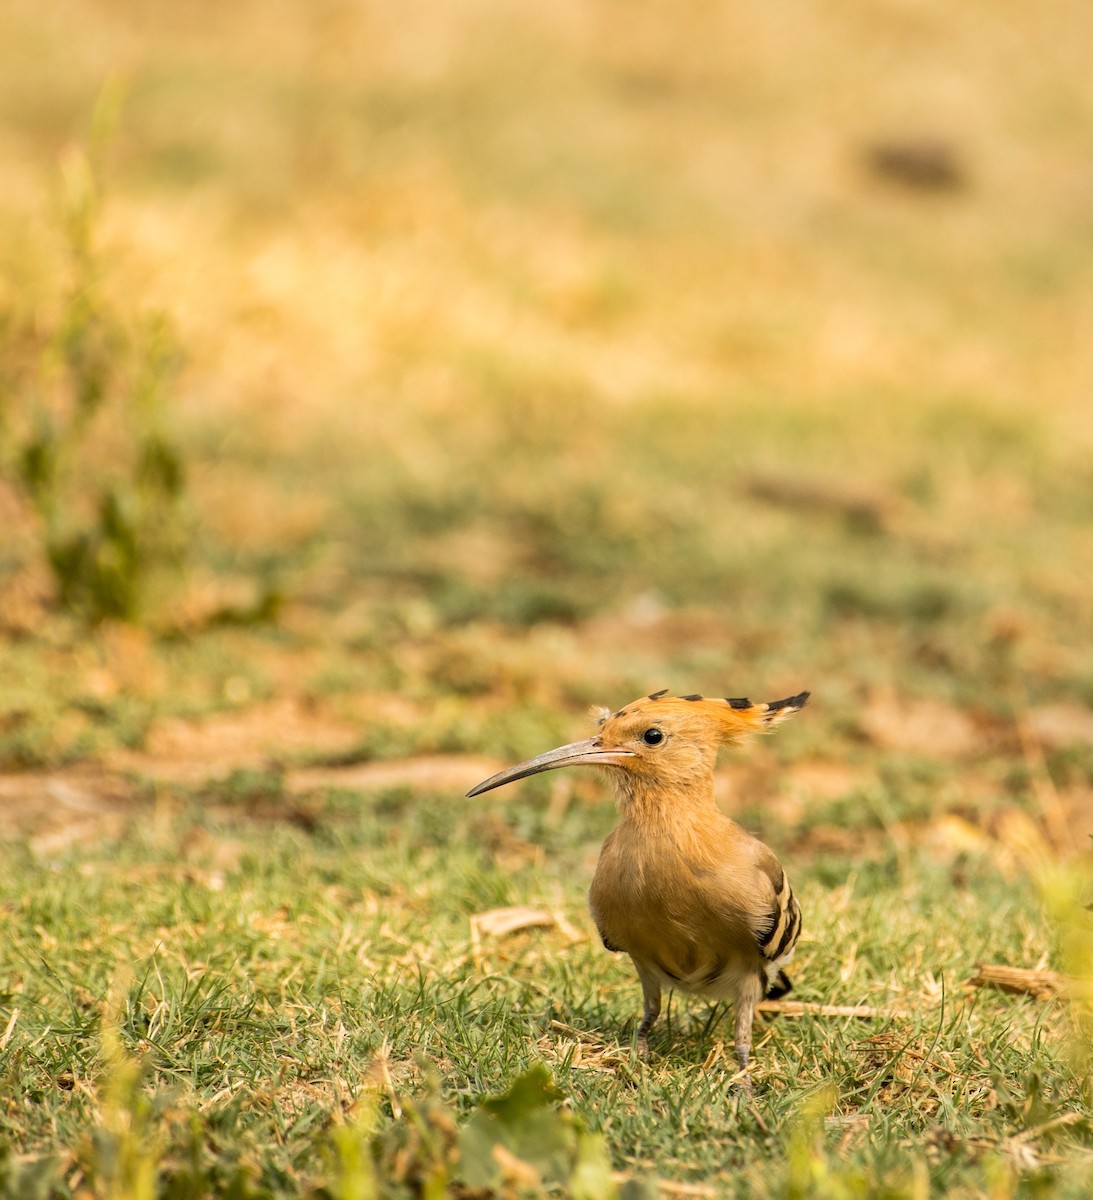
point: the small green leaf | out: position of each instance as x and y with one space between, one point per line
525 1122
591 1178
530 1092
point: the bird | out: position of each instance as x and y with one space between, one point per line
697 902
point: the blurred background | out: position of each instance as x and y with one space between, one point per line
384 381
381 385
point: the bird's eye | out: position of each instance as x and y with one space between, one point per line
652 737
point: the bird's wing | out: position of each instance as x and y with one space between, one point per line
777 930
603 894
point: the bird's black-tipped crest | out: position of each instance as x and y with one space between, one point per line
757 716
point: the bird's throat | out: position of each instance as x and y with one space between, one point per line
652 802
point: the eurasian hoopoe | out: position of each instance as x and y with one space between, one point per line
698 903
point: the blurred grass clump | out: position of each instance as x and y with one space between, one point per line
85 432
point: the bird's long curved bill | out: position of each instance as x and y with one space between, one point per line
587 753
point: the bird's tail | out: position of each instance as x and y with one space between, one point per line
779 986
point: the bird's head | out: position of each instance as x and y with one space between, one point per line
659 740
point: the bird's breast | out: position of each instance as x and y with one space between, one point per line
667 910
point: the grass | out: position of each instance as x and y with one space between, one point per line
536 360
257 969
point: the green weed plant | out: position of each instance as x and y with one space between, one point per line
84 427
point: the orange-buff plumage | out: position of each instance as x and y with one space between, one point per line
696 901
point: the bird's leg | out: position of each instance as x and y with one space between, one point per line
745 1015
650 990
652 1011
745 1010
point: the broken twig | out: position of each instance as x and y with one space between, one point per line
1043 985
805 1008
